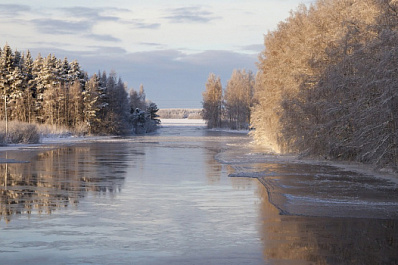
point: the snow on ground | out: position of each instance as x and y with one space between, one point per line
197 122
183 122
230 130
53 139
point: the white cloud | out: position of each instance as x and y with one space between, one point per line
192 14
12 10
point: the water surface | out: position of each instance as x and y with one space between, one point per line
167 198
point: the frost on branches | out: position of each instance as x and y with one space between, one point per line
57 92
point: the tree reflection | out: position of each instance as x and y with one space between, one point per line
320 240
60 177
213 168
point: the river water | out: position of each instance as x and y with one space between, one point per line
187 195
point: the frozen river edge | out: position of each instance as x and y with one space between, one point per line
296 186
211 198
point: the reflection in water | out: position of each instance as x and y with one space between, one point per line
164 199
320 214
320 240
322 190
57 178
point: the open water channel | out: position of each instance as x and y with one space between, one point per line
187 195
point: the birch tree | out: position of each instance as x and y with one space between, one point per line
238 99
212 101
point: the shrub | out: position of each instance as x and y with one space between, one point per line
19 132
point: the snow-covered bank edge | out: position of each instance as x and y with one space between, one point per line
230 130
50 140
65 138
263 155
198 122
182 122
252 153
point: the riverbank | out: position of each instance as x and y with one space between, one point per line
50 137
319 188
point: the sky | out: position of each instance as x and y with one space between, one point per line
170 47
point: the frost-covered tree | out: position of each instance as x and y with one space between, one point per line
53 91
64 69
76 74
327 82
50 106
76 105
212 101
137 99
238 98
116 114
6 70
92 104
16 93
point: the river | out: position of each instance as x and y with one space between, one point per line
187 195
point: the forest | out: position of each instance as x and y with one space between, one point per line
178 113
47 90
327 84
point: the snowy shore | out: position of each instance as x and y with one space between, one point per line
63 139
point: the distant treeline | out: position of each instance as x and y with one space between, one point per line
328 82
57 92
180 113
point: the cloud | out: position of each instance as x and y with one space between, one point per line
12 10
55 26
105 50
99 37
153 44
95 15
89 14
190 15
140 24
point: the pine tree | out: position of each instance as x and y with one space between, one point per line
137 99
37 87
27 102
48 90
15 96
92 104
50 106
117 115
64 70
76 105
6 69
76 74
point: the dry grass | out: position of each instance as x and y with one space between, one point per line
47 130
28 133
19 132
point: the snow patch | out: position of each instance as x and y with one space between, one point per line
183 122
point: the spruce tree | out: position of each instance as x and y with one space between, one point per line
92 104
6 69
